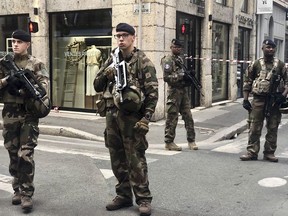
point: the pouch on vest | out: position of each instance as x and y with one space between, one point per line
261 85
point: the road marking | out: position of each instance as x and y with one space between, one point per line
5 183
234 148
272 182
100 156
107 173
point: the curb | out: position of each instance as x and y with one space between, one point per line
68 132
65 131
227 133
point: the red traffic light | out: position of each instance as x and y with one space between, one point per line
184 28
33 27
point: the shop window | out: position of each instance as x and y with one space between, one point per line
244 7
81 42
220 49
222 2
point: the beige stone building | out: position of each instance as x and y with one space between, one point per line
220 38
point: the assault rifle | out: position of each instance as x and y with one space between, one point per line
189 77
272 95
32 86
121 73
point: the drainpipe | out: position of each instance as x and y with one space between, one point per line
140 25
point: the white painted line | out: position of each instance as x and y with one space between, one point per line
107 173
272 182
5 183
6 179
100 156
161 152
6 187
232 148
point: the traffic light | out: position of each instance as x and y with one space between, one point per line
33 27
184 28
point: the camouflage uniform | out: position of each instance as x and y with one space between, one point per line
126 146
256 116
177 99
20 129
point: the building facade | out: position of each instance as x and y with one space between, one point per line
220 37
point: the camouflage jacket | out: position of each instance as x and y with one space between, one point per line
172 71
259 70
141 73
24 62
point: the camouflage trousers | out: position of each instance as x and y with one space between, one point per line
20 133
178 102
256 118
127 153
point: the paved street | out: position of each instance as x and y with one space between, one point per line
73 175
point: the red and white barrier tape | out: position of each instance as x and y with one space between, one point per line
220 60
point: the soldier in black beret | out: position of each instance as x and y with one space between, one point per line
176 42
21 35
20 121
262 79
124 27
128 117
178 100
269 42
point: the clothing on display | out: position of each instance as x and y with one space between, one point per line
93 62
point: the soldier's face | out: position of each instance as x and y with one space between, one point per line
125 40
176 50
268 50
20 47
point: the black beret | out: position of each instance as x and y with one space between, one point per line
176 42
21 35
269 42
125 28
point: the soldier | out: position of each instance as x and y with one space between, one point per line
177 98
262 79
20 123
129 108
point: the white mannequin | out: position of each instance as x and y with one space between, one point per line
93 62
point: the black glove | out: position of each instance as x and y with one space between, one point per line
280 99
14 81
14 85
247 105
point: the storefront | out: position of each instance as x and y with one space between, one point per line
80 43
191 38
243 57
220 48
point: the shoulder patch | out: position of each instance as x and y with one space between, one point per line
167 66
147 75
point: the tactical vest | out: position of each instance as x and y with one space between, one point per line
261 85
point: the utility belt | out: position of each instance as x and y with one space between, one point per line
256 96
104 105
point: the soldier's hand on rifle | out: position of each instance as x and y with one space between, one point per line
247 105
142 126
14 81
14 86
110 73
280 99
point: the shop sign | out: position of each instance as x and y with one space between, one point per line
264 6
146 8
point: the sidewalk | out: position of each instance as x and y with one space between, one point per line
221 121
